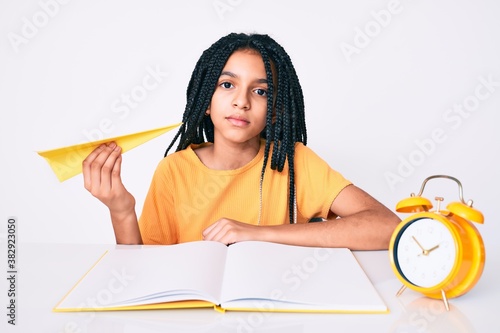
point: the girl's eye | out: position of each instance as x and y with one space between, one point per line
261 92
226 85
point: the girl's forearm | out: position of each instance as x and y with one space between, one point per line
126 228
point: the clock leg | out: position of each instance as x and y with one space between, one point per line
400 291
445 300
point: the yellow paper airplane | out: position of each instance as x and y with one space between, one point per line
66 162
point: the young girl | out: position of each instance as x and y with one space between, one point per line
241 170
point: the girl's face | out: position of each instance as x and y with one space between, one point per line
239 103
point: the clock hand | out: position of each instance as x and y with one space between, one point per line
432 249
424 251
420 246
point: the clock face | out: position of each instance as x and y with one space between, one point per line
425 253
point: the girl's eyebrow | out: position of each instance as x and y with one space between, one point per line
233 75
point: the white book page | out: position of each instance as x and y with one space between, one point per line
273 276
151 275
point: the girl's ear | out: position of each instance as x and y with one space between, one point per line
207 112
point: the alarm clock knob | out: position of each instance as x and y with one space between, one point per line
466 211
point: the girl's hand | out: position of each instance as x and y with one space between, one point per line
229 231
101 175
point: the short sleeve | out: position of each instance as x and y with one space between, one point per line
154 221
317 184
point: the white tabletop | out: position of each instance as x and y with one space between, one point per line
47 271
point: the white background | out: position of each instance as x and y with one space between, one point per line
371 113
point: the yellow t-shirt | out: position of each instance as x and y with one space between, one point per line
185 196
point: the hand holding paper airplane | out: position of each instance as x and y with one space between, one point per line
66 162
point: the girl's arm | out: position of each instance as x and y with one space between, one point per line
364 224
101 175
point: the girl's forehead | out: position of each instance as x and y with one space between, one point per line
243 58
246 52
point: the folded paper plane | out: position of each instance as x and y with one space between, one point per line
66 162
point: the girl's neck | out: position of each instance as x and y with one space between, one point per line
223 156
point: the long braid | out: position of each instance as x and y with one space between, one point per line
286 130
267 134
285 119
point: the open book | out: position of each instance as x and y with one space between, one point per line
246 276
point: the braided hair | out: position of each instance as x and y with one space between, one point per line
285 120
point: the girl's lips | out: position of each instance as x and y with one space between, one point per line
240 122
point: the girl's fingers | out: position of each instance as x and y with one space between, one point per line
211 231
217 231
107 168
97 164
95 169
116 172
86 166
